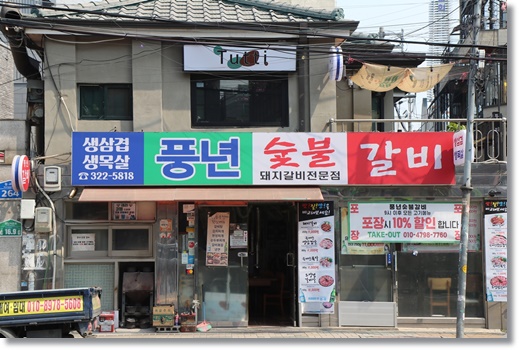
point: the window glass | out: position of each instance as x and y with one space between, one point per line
108 241
105 101
504 83
88 242
87 210
415 297
227 100
118 102
91 102
130 239
100 210
365 278
377 110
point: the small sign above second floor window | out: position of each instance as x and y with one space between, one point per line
246 59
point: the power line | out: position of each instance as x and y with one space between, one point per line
272 28
74 29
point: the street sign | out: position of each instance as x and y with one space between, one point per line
7 190
10 228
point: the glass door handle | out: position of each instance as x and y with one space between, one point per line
290 259
242 255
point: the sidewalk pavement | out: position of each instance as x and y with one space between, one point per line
270 332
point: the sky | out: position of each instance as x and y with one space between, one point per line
396 17
411 16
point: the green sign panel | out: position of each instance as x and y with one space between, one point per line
10 228
198 159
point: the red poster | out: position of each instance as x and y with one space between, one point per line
407 158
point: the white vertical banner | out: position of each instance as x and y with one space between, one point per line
316 257
496 252
458 139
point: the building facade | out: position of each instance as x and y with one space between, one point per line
214 242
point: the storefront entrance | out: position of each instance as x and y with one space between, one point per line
254 282
367 290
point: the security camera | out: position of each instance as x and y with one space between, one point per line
493 193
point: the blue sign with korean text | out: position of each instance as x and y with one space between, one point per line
7 191
107 159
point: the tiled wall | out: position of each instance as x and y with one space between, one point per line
83 275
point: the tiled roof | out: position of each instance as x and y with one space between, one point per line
196 11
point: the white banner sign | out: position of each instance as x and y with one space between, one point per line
474 243
299 158
405 222
227 58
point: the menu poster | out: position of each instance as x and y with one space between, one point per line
217 239
316 260
496 249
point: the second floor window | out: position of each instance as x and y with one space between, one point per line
105 102
239 101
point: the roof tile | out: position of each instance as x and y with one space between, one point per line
191 11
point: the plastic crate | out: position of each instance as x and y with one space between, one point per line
107 322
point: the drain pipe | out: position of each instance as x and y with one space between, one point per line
26 65
303 81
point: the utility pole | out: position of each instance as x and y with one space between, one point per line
382 35
466 187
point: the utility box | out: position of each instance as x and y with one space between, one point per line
52 178
163 316
43 219
27 208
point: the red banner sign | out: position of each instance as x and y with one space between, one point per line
413 158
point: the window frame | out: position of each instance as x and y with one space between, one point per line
252 120
79 212
109 102
110 252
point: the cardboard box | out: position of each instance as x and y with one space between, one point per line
163 316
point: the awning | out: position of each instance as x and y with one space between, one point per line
159 194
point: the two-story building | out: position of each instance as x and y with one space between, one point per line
169 169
